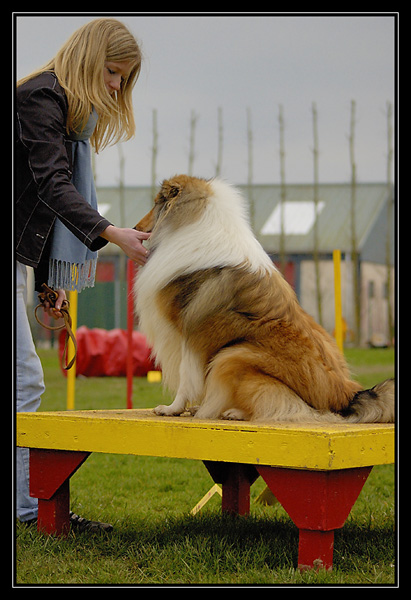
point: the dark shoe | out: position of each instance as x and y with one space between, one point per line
29 522
81 524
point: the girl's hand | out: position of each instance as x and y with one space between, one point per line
129 240
55 312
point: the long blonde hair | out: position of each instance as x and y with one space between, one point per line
79 66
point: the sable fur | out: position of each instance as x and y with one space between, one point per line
226 327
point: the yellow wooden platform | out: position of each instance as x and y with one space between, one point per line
141 432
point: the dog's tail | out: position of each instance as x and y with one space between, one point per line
376 405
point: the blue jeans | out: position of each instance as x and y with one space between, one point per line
29 388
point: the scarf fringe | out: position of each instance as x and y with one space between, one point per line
71 277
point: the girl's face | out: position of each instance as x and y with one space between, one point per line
114 74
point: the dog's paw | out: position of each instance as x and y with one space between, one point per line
233 414
166 411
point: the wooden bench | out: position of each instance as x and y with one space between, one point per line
315 471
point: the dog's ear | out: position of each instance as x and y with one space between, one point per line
171 189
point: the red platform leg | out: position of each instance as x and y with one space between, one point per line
236 480
53 517
50 472
315 549
318 502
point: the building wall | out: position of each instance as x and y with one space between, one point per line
308 298
374 302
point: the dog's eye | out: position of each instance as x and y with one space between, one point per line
161 199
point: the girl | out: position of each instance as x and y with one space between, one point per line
81 97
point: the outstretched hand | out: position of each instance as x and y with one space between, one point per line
130 242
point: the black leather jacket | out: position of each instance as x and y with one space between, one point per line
42 168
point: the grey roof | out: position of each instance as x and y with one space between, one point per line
334 229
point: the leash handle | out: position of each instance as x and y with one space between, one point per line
49 295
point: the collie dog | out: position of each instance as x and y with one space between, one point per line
227 329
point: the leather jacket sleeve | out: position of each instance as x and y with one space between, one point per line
41 119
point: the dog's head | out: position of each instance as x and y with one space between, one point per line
180 201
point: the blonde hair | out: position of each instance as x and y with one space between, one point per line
79 67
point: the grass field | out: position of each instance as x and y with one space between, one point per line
155 539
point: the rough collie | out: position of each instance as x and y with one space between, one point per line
227 329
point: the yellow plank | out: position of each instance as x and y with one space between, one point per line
216 489
142 433
154 376
266 497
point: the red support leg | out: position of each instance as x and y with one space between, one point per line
318 502
53 516
236 492
236 480
315 549
50 472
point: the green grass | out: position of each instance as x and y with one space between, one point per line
155 539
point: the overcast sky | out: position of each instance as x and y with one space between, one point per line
202 63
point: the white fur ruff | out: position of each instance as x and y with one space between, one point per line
222 236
